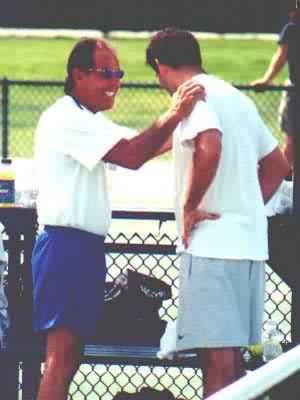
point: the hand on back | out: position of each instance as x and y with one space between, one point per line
191 218
186 96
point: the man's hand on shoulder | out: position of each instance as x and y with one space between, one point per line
185 98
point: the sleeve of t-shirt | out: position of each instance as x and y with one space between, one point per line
284 34
201 119
90 137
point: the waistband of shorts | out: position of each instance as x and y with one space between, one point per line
56 228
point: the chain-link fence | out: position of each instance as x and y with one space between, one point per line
137 106
151 250
137 241
141 241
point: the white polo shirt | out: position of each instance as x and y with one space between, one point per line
241 231
70 143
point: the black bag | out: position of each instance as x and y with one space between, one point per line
283 247
131 310
146 393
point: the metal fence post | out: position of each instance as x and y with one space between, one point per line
5 110
295 323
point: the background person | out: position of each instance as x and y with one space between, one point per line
73 143
287 52
227 165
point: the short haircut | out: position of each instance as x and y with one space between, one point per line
175 48
82 56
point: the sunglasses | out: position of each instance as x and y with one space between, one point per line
108 73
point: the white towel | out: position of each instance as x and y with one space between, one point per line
282 200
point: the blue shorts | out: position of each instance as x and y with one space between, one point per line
68 268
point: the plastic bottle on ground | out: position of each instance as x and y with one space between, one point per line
7 183
271 347
272 344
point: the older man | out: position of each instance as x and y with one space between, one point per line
227 165
73 142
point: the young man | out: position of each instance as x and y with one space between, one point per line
227 165
287 52
73 143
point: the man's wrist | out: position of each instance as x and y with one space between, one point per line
188 208
170 118
268 80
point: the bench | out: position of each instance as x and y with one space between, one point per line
21 227
32 355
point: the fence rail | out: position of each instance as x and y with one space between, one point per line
274 377
138 104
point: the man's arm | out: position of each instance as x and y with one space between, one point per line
167 146
278 61
202 171
135 152
272 169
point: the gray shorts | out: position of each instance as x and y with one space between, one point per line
221 302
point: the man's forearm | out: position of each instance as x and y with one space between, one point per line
271 171
147 144
269 186
198 182
278 61
135 152
202 169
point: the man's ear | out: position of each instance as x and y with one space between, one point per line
162 68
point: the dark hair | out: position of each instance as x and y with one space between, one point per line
175 48
82 57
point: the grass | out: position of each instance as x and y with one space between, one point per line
235 60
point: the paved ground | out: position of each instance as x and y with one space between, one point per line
150 187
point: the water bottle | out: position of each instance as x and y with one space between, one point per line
271 347
7 183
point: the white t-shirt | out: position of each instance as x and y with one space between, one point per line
241 231
70 143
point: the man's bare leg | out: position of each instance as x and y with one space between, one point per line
220 367
62 362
